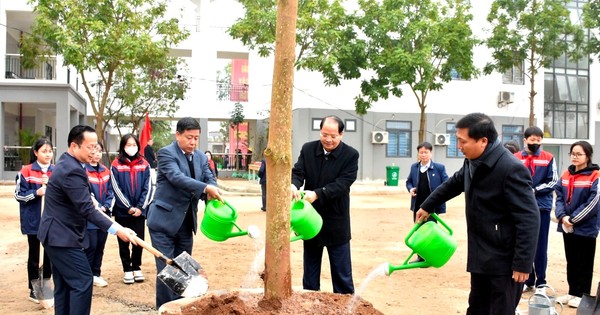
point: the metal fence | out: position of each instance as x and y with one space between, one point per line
44 70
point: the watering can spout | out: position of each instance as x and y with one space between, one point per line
420 264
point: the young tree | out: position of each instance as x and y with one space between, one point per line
154 89
418 43
528 34
323 34
278 155
102 37
237 117
591 18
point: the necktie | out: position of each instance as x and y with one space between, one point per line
189 157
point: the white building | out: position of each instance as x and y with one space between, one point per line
564 95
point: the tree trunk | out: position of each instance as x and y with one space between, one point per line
278 156
422 123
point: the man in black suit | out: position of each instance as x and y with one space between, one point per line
67 209
183 178
327 168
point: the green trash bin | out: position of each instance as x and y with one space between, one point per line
392 174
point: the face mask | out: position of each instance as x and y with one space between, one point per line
533 147
131 151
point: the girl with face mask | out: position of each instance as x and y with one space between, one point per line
130 178
30 188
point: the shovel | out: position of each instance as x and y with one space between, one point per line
590 305
181 274
42 288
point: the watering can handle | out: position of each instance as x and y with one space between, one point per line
418 225
435 216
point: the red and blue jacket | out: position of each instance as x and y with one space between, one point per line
29 180
577 197
544 175
131 185
101 189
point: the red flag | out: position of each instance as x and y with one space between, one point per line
145 135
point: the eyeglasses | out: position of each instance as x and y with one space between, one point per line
333 137
91 147
576 155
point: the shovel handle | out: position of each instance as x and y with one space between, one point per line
152 250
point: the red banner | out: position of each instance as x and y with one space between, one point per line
239 80
145 135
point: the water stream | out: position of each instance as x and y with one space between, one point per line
378 271
257 265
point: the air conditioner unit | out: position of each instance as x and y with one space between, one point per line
379 137
442 139
506 97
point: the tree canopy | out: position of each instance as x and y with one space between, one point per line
417 43
591 18
102 38
528 34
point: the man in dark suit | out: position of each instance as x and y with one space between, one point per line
502 215
68 207
327 168
183 178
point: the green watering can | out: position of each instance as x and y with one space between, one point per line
434 244
304 220
219 220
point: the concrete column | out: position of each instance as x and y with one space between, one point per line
2 144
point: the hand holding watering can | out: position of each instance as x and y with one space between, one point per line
305 221
219 220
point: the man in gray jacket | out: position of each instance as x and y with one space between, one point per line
502 216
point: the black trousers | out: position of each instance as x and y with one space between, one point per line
33 261
340 264
493 295
131 260
580 252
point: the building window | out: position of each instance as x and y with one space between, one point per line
566 93
514 75
399 138
316 124
452 150
350 125
512 132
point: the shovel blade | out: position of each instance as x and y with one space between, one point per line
183 276
43 290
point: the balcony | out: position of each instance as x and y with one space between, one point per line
44 70
232 92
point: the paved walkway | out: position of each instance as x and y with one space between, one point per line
251 187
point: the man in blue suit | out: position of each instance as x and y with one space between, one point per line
183 178
68 207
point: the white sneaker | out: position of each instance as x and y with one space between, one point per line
128 277
564 299
100 282
574 302
138 276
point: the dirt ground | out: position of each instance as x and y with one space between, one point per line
379 225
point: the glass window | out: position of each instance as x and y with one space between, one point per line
514 75
350 125
566 92
399 133
316 124
452 150
512 132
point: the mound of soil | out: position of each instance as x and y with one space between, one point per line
300 303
